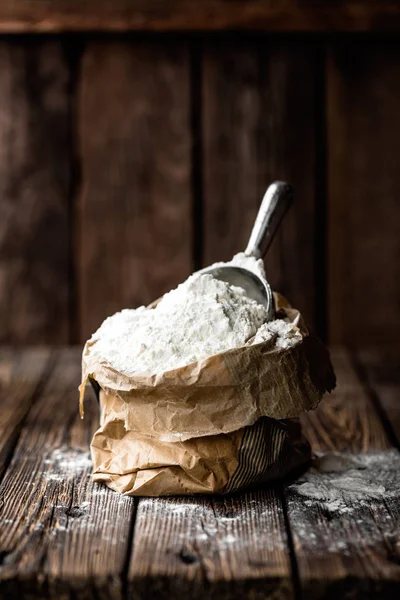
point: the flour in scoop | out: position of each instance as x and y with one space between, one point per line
201 317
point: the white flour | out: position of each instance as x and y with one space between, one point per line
344 482
201 317
256 265
347 504
286 334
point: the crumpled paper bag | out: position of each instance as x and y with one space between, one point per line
209 427
138 465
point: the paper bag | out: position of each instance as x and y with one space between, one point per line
138 465
214 426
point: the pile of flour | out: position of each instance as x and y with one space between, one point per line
201 317
346 482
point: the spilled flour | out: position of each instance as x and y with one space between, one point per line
345 482
64 463
202 317
247 523
346 503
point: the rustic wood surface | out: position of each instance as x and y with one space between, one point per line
254 116
21 381
347 530
61 536
233 547
58 530
380 369
139 15
34 193
135 201
363 88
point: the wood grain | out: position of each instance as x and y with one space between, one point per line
346 420
346 529
363 174
139 15
34 189
22 376
61 536
135 204
60 532
259 126
381 368
226 547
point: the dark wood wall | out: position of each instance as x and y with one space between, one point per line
128 160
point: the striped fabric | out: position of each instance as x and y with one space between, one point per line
266 452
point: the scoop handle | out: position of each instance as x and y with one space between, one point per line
276 201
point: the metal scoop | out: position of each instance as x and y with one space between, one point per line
276 201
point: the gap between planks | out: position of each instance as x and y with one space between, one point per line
69 533
379 369
22 378
346 543
47 484
231 546
199 552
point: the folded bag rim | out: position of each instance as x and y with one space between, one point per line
224 392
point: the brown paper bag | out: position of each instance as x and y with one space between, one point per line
139 465
211 426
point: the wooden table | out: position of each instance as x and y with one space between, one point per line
61 536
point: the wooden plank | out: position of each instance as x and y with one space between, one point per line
139 15
382 372
22 375
135 206
61 535
344 512
363 143
259 126
222 547
34 189
346 420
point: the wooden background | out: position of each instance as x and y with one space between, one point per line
129 158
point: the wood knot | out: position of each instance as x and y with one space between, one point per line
74 512
4 556
188 558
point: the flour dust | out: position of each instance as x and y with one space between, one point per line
202 317
343 482
346 501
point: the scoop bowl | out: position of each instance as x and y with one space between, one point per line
276 201
255 288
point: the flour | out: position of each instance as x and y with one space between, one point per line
255 265
200 318
284 334
343 482
64 463
347 504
